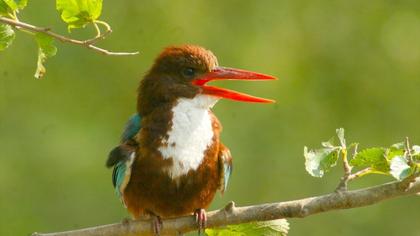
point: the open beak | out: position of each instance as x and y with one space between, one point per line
223 73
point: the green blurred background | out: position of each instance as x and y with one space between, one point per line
351 64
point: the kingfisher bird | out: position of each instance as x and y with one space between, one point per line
170 161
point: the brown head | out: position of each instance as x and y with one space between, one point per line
183 71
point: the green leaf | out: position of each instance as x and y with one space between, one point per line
331 143
319 161
22 3
7 35
391 153
78 13
352 145
372 157
400 168
267 228
46 49
399 146
4 9
340 135
416 150
11 4
397 149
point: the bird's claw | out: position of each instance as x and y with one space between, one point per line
201 220
125 221
156 225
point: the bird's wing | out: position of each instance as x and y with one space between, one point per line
121 175
131 128
122 156
128 144
225 167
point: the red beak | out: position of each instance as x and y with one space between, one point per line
223 73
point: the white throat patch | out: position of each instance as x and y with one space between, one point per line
190 135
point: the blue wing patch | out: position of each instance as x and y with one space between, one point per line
128 145
131 128
227 173
118 175
121 175
122 156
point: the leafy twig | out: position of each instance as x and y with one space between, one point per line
342 186
348 176
235 215
86 43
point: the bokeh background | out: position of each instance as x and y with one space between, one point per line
351 64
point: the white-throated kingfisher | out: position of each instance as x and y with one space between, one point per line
171 161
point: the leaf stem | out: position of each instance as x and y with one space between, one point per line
99 35
407 153
360 173
107 26
98 31
12 16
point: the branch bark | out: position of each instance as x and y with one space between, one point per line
85 43
270 211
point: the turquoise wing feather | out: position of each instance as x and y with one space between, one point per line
131 128
128 144
118 175
225 167
227 172
121 175
122 156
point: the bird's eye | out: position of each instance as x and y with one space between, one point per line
188 72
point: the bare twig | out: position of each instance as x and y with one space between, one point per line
86 43
235 215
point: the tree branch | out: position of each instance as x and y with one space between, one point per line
85 43
235 215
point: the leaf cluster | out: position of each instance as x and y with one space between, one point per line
76 13
398 160
320 161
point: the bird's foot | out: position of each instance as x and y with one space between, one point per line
125 221
201 220
156 224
